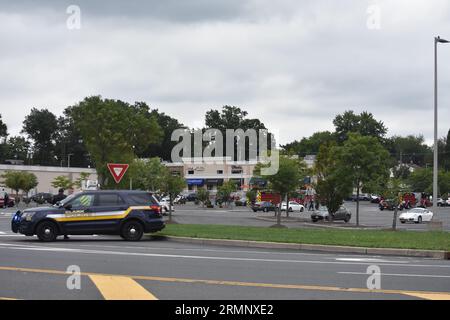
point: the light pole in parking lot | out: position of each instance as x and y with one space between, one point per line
68 159
435 149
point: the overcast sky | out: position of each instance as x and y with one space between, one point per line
292 64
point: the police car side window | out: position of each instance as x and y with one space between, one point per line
85 200
109 199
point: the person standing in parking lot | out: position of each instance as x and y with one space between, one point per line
60 196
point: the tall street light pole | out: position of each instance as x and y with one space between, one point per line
435 149
68 159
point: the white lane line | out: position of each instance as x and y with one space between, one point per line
120 253
1 232
401 275
324 255
370 260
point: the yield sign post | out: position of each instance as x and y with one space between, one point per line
117 170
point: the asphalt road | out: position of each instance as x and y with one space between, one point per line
159 269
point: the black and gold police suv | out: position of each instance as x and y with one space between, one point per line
129 214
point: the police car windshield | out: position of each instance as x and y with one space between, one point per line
64 201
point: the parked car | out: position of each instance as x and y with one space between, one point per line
264 206
443 203
293 206
388 204
375 198
11 202
191 197
416 215
322 214
242 202
42 197
164 203
362 197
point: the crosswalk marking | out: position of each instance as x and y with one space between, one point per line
120 288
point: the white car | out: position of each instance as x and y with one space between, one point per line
416 215
164 203
443 203
293 206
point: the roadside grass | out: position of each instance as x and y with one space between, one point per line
427 240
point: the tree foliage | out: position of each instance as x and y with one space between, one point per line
224 192
310 145
365 161
147 174
41 127
365 124
203 195
62 182
334 183
20 180
113 131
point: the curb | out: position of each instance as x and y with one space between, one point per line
435 254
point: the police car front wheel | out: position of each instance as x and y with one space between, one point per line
47 231
132 231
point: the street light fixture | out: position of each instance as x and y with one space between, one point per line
435 158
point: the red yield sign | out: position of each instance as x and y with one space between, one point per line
117 170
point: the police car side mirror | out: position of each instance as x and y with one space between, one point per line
68 207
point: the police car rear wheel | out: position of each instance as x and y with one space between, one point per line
132 231
47 231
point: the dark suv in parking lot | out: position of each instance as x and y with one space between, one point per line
322 214
125 213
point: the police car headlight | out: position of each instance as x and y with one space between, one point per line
29 215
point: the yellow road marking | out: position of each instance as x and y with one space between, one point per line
430 296
424 294
120 288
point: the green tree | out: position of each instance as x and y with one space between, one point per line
393 189
203 195
29 182
365 161
289 177
19 180
17 148
147 174
3 128
364 123
251 195
62 182
168 124
421 180
70 142
113 131
409 149
401 172
224 192
231 117
309 145
41 127
83 176
334 184
172 185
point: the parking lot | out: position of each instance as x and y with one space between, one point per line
370 217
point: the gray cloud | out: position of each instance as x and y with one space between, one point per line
295 66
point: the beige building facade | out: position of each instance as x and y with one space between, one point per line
45 175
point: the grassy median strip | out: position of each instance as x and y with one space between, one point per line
427 240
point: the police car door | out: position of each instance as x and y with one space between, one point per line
109 210
78 215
